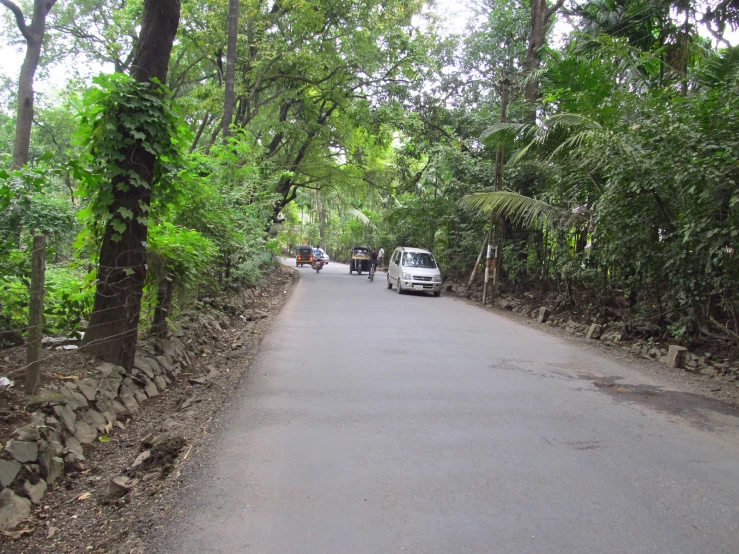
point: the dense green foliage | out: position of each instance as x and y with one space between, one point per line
364 123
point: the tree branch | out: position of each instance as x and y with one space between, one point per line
553 9
20 20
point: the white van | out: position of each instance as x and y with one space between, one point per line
414 269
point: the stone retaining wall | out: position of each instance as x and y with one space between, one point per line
72 414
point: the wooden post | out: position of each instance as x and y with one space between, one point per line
477 265
36 315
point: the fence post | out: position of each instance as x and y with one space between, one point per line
36 315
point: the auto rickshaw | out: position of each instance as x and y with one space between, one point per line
303 255
360 259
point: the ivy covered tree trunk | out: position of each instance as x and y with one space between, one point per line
113 330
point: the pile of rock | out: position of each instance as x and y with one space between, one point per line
73 414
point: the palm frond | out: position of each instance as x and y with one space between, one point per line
361 217
506 133
521 210
573 120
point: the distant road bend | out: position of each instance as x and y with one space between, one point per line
373 422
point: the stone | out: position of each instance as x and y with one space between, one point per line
160 383
654 353
111 370
139 395
143 364
8 470
74 399
119 487
594 332
129 402
67 416
164 363
94 418
13 509
113 406
110 416
154 364
544 314
27 433
170 424
108 387
254 316
35 492
22 451
146 454
74 446
153 439
86 433
709 371
118 407
51 466
151 389
88 387
169 348
676 356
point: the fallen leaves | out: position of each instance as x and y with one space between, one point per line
17 534
65 377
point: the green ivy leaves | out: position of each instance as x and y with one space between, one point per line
119 117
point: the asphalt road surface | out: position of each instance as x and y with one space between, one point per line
373 422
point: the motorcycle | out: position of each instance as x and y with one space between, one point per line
317 264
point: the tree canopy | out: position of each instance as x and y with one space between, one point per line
368 122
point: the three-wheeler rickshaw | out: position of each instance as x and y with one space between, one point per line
303 255
360 259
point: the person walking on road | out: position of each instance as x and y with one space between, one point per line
380 255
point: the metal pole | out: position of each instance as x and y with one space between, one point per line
36 315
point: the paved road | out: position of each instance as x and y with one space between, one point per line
375 423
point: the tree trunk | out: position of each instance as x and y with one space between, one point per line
229 100
536 41
201 128
113 330
322 219
163 308
34 36
540 15
24 119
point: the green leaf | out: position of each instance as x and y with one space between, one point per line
118 225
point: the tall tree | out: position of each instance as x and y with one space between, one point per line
34 37
230 97
541 13
113 330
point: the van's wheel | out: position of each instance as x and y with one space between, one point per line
350 270
389 284
399 288
437 293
